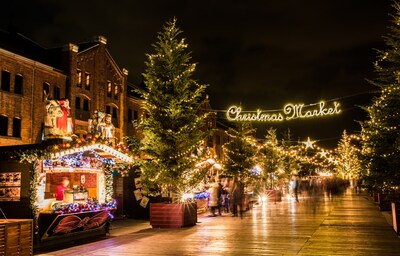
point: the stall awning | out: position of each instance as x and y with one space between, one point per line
102 150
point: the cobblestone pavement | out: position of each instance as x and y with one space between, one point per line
343 225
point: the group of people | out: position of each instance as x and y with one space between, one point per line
228 198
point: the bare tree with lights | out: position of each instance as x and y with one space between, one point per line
173 128
348 163
381 133
290 162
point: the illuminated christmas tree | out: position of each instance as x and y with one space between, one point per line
271 158
380 133
173 127
240 152
348 163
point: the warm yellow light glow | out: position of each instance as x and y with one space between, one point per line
217 166
187 196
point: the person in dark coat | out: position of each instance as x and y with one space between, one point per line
237 198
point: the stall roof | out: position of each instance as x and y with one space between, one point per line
102 150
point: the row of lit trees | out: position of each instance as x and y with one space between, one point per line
280 159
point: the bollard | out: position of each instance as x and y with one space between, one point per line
395 216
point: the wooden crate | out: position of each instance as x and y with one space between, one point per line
16 237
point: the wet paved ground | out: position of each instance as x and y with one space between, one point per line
345 225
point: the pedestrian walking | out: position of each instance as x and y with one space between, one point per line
213 200
237 198
224 199
296 187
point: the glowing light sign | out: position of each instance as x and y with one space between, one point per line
290 112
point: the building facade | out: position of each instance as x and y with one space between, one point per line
85 74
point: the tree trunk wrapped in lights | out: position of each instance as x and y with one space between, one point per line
381 133
173 126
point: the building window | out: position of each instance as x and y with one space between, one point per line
79 82
129 115
18 84
87 81
56 93
85 105
16 132
114 117
78 103
46 90
3 126
82 106
109 89
135 115
114 114
116 89
5 80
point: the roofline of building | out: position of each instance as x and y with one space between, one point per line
30 61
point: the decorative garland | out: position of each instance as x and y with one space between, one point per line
109 179
89 140
33 195
32 157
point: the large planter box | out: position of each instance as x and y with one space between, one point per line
16 237
163 215
274 195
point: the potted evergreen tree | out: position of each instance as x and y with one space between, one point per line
173 128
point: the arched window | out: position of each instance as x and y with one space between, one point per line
18 84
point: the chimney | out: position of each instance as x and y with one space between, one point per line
100 39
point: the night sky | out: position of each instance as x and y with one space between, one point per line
260 54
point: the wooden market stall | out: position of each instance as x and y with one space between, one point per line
66 191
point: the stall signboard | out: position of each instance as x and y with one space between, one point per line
73 223
10 186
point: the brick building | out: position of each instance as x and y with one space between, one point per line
84 73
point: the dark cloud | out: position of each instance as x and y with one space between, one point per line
258 53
